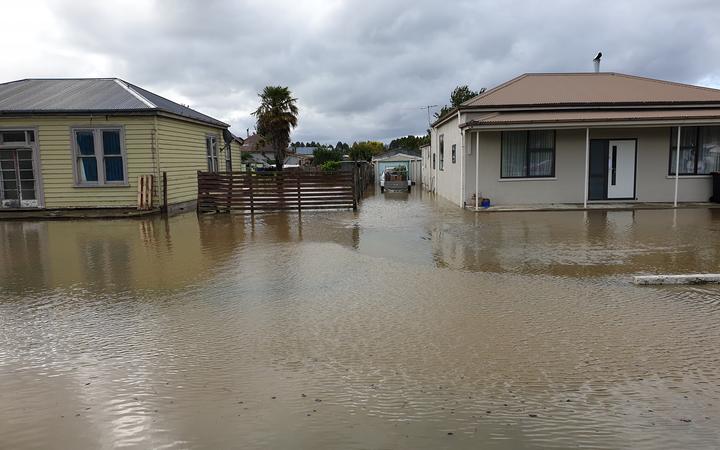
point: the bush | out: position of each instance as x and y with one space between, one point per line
330 166
322 155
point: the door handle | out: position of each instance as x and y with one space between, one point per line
613 166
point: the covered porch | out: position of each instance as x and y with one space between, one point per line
517 164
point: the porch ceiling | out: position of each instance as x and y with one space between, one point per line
596 116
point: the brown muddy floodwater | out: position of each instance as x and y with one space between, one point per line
409 324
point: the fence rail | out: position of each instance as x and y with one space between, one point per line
251 192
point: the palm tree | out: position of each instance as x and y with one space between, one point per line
276 116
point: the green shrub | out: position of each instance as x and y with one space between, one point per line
323 155
330 166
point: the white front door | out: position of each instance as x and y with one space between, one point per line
621 169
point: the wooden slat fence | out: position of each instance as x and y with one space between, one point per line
251 192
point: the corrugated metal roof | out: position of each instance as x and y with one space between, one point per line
102 95
527 117
590 88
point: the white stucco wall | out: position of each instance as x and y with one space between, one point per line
447 181
568 186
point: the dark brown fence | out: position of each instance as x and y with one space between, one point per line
251 192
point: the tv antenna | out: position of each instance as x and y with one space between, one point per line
427 107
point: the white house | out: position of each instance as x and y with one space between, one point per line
575 138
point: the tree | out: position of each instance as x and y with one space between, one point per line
365 150
323 155
276 116
458 96
409 142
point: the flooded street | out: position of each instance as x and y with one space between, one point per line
407 324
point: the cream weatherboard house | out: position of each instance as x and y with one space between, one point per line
580 139
85 143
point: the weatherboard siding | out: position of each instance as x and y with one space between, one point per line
182 154
54 141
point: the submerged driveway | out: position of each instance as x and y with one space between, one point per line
407 324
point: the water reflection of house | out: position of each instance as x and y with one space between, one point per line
123 254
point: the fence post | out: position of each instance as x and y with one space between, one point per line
164 194
354 188
230 191
298 192
200 194
252 198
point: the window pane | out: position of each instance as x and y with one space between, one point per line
513 154
709 159
541 162
13 136
85 142
10 194
114 169
28 194
24 155
541 139
88 169
688 147
111 142
27 185
687 161
31 136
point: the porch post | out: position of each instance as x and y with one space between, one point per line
677 166
587 165
477 167
462 167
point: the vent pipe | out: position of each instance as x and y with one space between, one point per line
596 62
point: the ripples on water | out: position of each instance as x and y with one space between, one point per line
389 328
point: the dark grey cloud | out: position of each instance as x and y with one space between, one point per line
360 69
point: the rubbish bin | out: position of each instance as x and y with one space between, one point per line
716 187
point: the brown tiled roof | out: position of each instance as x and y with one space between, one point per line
536 89
550 117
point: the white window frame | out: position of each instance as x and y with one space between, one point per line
211 153
99 156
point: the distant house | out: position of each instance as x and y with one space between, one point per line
578 138
309 151
255 152
410 159
84 143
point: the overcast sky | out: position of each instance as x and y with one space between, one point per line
360 69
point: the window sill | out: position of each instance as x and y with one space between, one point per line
672 177
118 185
528 179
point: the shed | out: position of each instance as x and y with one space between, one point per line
404 158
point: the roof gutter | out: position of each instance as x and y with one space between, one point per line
620 123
